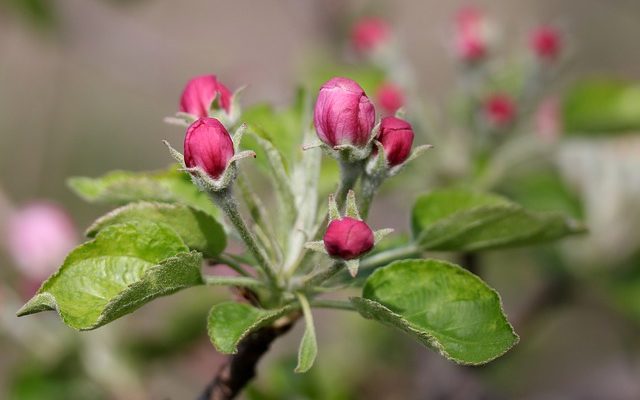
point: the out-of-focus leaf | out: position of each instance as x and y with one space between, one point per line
462 220
308 349
122 187
442 305
126 266
40 13
197 229
230 322
602 106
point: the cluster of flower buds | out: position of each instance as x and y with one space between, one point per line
347 237
344 119
473 35
206 96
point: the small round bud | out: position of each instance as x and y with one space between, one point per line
39 236
348 238
390 97
396 136
343 114
369 34
208 145
200 93
546 43
499 110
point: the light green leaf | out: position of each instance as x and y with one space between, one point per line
197 229
126 266
230 322
461 220
308 346
123 187
602 106
441 305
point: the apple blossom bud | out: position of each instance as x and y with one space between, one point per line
390 97
369 34
471 35
343 113
201 92
396 136
499 110
546 43
348 238
38 238
208 145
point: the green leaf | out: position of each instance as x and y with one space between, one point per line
198 230
230 322
602 106
308 346
123 187
461 220
442 305
126 266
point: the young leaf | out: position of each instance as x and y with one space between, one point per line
308 346
126 266
197 229
123 187
441 305
230 322
461 220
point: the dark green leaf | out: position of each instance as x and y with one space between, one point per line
197 229
126 266
442 305
461 220
123 187
230 322
601 106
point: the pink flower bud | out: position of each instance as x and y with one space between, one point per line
200 93
396 136
548 120
499 110
390 98
343 113
546 43
369 34
208 145
471 35
39 236
348 238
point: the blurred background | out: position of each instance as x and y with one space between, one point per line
85 84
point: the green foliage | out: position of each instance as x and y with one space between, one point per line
123 187
126 266
441 305
198 230
602 106
230 322
308 346
462 220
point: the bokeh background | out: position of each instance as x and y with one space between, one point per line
84 86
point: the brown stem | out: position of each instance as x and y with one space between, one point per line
240 368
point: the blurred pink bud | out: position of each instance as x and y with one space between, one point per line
343 113
547 120
208 145
348 238
396 136
499 110
369 34
546 42
200 93
39 236
390 98
471 34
